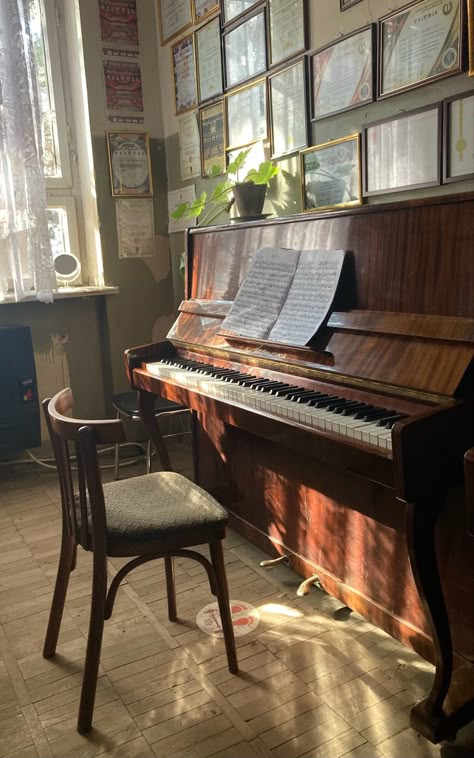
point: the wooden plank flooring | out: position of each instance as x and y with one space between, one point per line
316 681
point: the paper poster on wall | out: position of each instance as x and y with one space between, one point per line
175 198
189 146
123 91
119 28
135 227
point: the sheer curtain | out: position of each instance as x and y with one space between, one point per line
26 260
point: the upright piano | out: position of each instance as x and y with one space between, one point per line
346 456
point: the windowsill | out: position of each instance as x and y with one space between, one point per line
67 292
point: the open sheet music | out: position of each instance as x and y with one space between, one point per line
286 295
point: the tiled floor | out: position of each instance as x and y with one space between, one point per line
316 680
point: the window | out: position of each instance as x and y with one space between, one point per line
57 136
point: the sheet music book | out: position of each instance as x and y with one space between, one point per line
285 296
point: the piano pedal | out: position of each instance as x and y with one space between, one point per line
274 561
304 587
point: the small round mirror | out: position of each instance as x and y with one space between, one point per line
67 267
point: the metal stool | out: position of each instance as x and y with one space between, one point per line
126 404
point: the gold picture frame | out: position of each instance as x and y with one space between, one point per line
246 110
129 164
202 9
175 17
183 67
331 174
212 136
470 34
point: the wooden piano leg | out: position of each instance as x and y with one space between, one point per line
428 716
146 406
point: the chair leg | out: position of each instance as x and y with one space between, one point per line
117 456
148 456
94 645
217 558
67 560
170 589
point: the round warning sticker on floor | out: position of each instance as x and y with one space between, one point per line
245 618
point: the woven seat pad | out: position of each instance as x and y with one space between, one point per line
157 511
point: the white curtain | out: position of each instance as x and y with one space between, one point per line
26 260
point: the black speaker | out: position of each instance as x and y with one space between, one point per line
19 406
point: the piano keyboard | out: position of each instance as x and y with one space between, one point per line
355 420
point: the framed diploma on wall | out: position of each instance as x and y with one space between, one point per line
232 9
330 174
418 44
402 152
458 133
343 74
287 29
209 60
246 116
470 34
184 74
245 50
212 134
204 8
175 17
129 163
287 91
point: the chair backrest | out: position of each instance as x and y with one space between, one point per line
87 506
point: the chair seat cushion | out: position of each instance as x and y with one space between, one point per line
160 511
127 403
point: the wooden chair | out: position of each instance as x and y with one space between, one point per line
152 516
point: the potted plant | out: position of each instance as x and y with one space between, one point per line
248 193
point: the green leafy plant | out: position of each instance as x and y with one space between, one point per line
208 207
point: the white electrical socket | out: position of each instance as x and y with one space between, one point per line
59 338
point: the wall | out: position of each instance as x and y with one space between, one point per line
327 23
81 341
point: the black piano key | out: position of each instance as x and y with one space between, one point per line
376 414
283 392
271 386
354 410
339 403
300 392
360 414
389 421
307 397
237 377
349 405
252 383
322 403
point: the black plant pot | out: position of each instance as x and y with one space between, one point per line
249 198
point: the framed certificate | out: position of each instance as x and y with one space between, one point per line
402 152
330 174
184 74
345 4
470 34
135 228
287 25
204 8
288 109
212 133
175 17
189 145
232 9
246 114
418 44
209 60
458 131
129 163
245 53
342 74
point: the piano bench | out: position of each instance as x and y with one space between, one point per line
126 404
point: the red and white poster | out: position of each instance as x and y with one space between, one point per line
119 28
123 91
